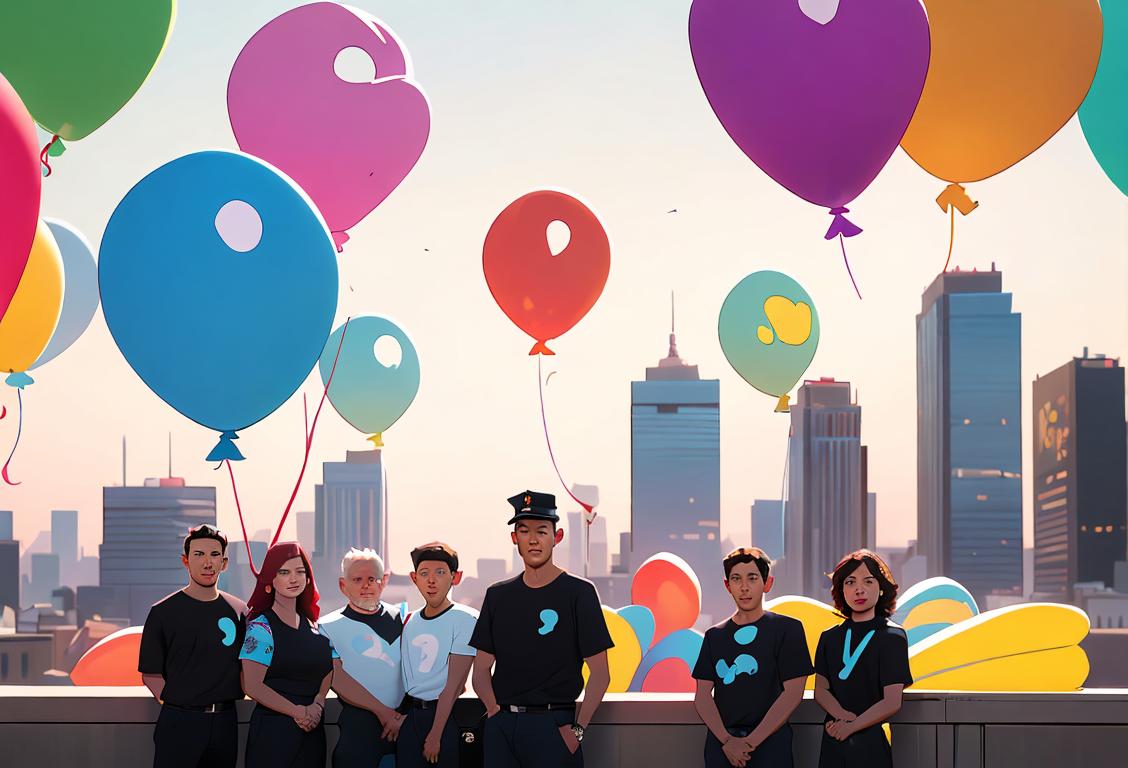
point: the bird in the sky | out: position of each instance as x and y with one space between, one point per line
675 210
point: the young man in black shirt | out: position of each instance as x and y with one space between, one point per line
539 628
190 661
751 672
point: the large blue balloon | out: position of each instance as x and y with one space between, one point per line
219 284
80 289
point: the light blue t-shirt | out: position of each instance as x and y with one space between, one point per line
427 644
369 648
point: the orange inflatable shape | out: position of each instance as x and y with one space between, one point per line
667 585
111 661
1003 78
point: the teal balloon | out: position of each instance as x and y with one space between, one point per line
367 393
1104 113
769 331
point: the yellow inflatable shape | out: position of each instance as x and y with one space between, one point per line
33 313
1000 637
790 320
624 658
816 618
937 612
1056 669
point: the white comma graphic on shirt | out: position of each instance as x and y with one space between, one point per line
428 646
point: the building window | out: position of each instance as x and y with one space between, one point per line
1062 475
981 497
1098 529
966 422
23 666
691 536
1003 422
711 536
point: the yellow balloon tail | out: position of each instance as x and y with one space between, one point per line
376 440
783 405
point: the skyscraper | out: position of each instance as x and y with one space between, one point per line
9 576
44 576
1080 504
64 541
676 469
826 506
969 433
143 529
767 526
6 528
598 551
349 509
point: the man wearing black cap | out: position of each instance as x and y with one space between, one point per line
539 628
189 660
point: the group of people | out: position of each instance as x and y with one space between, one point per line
398 675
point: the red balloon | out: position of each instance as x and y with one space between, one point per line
545 295
668 587
20 180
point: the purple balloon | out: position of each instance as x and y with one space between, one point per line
817 93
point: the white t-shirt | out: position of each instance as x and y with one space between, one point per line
369 647
427 644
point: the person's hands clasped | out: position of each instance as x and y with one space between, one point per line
841 729
392 725
736 751
307 717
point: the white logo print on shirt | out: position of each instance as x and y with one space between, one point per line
429 650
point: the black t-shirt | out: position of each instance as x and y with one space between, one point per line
540 638
858 659
749 663
194 645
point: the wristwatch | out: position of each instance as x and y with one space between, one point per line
578 731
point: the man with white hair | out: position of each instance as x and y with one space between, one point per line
367 678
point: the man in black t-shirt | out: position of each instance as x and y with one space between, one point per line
750 673
539 628
190 661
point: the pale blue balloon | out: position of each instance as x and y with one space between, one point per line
219 283
80 289
1104 113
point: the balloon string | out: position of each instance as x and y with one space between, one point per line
850 272
552 456
783 493
951 238
19 431
309 435
44 156
239 509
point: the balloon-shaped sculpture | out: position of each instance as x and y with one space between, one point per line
19 172
668 587
369 392
75 63
33 313
219 283
769 331
545 290
817 94
1003 79
348 144
80 289
1104 113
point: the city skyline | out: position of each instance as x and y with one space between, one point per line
474 429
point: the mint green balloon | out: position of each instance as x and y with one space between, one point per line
769 331
1104 113
75 63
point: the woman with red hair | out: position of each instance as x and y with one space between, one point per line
287 665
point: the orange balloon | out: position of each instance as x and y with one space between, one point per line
111 661
668 587
1003 78
542 292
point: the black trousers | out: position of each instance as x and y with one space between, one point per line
275 741
186 739
865 749
774 752
417 724
360 744
529 740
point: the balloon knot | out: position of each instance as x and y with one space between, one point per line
18 379
53 148
339 239
955 197
783 405
541 348
841 225
377 440
225 449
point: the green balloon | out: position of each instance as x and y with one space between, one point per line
75 63
769 331
1104 113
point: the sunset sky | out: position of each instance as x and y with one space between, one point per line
600 99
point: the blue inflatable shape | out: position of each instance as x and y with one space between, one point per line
218 281
641 620
684 644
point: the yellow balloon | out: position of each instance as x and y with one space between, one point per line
26 327
1003 77
815 617
624 658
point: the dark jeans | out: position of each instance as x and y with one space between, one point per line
529 740
865 749
417 723
186 739
774 752
274 740
360 744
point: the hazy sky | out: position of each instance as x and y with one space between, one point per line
600 99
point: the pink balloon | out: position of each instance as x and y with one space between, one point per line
347 144
20 180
